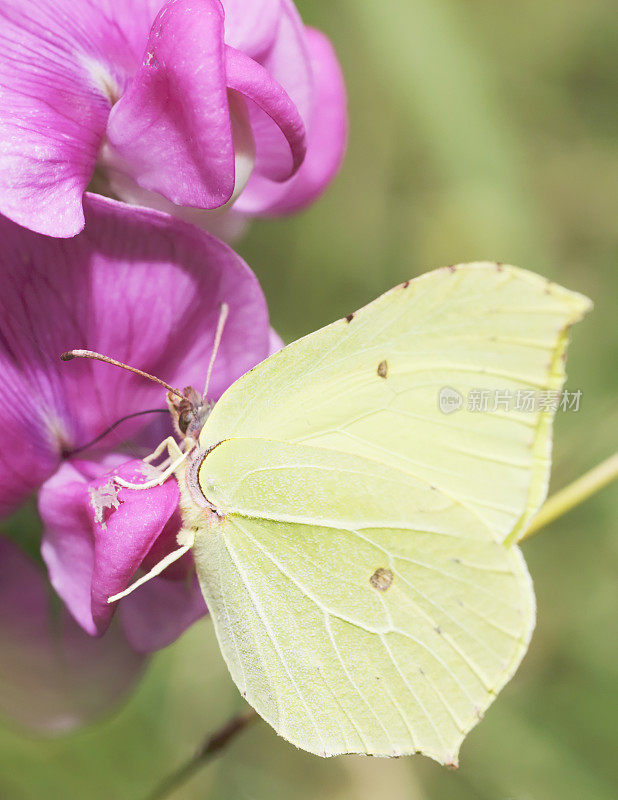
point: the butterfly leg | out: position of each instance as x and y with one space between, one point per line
186 545
171 445
165 445
176 457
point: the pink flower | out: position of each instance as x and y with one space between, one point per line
146 289
181 105
96 536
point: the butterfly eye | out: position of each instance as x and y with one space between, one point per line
184 420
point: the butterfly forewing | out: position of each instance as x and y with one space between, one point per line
370 385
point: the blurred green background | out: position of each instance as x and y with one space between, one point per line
479 130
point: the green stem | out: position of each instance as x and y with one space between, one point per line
209 750
574 494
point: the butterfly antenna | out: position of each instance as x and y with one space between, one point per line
107 360
215 348
113 427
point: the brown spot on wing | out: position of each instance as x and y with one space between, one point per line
349 318
382 579
383 369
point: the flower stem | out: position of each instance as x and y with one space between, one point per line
574 494
209 750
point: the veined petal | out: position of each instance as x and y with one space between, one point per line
327 136
54 676
171 130
62 66
86 84
136 285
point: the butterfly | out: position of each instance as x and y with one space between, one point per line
355 537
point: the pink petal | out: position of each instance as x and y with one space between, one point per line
90 557
278 128
164 544
54 676
289 59
276 342
136 285
129 534
287 65
251 25
159 611
327 136
68 540
61 63
171 129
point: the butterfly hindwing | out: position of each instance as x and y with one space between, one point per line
358 608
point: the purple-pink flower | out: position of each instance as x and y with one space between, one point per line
91 555
180 105
147 289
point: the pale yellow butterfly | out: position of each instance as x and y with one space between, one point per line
354 521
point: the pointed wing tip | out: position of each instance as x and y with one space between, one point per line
578 303
582 304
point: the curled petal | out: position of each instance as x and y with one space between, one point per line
171 130
147 93
97 536
288 60
327 136
278 128
54 676
68 539
128 534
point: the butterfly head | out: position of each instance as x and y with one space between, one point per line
189 413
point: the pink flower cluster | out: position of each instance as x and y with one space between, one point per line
203 110
189 106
